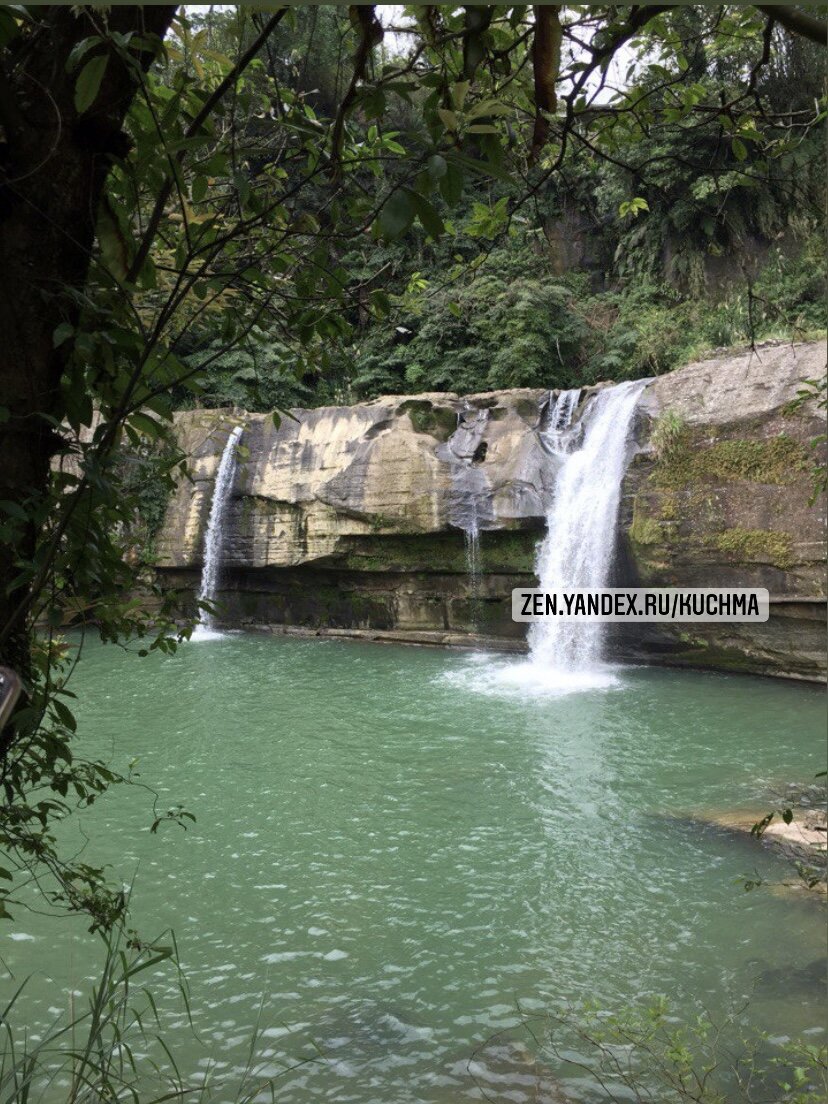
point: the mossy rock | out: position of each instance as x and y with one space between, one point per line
775 460
510 552
437 421
775 546
702 653
646 531
528 409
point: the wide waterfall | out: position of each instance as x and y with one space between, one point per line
581 523
214 536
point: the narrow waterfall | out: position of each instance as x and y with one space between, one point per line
471 537
559 414
581 524
469 504
214 536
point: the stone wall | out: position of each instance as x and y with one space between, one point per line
351 519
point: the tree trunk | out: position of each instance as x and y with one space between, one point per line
53 168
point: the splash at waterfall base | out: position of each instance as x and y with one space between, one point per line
349 521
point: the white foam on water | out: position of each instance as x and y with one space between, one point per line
201 633
523 679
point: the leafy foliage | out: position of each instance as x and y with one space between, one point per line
655 1053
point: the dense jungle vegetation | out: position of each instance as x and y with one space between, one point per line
619 266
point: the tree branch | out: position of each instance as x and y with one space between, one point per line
218 92
798 22
546 63
370 35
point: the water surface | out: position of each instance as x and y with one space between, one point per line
391 855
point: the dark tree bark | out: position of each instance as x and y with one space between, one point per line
798 22
53 167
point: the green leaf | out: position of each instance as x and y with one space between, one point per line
64 714
78 406
448 118
199 189
431 221
459 92
381 303
146 425
739 149
8 27
436 166
451 185
13 509
89 82
489 108
397 214
62 333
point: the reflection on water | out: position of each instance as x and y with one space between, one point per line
391 869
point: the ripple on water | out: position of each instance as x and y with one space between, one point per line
429 846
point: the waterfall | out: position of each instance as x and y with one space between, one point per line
471 537
469 508
214 536
581 523
559 414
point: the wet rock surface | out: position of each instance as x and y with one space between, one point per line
353 518
790 820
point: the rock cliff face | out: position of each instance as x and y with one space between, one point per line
352 519
722 494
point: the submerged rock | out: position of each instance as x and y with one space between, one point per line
803 841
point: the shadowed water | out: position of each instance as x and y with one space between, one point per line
387 861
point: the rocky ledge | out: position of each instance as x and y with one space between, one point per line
352 518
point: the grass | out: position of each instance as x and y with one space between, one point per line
115 1050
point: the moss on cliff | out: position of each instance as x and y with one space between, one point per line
510 552
437 421
688 460
528 410
757 544
646 530
706 653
